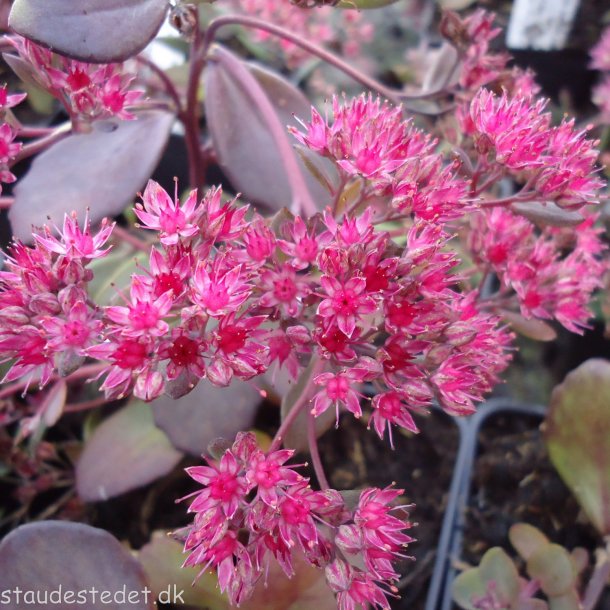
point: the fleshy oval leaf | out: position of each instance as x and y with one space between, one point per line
162 559
577 434
206 413
246 149
547 213
498 567
98 31
526 539
55 558
467 586
552 567
126 451
101 170
538 330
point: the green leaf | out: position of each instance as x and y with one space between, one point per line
114 272
577 434
529 327
498 567
547 213
124 452
569 601
162 559
552 567
466 586
527 539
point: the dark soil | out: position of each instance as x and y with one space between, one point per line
421 464
514 481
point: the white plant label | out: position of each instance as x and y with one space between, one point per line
542 25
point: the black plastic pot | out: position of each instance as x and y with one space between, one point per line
450 541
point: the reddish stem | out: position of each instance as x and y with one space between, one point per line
301 197
312 48
86 405
38 145
598 580
165 80
34 132
302 401
88 370
126 236
312 441
196 163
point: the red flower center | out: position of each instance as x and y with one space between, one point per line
231 339
284 289
184 351
168 281
401 314
376 279
334 341
130 354
78 79
337 388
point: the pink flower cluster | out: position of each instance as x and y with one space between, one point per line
479 65
47 321
600 60
9 149
516 136
370 139
552 274
86 90
346 29
255 507
226 298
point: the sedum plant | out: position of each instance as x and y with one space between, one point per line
576 433
374 253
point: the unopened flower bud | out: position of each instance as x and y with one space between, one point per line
185 18
453 29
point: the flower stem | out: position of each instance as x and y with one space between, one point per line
86 405
165 80
126 236
85 371
598 580
301 402
312 441
196 163
302 200
312 48
39 145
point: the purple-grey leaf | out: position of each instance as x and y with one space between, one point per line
547 213
206 413
125 451
22 69
101 170
535 329
63 562
243 141
99 31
